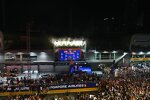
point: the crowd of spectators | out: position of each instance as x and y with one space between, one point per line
40 84
129 84
129 88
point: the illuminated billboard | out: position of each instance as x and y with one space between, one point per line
68 42
140 59
69 54
83 68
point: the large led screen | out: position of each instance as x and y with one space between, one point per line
83 68
66 55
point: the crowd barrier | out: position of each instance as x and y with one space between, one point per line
51 89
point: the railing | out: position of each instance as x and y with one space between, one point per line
94 61
47 89
77 90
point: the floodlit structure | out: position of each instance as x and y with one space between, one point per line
58 59
140 48
69 42
140 42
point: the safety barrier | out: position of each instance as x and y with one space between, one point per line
49 91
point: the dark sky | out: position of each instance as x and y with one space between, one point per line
106 24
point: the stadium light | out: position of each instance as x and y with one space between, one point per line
8 53
141 53
133 53
105 52
114 51
148 52
20 53
43 56
96 51
125 53
33 54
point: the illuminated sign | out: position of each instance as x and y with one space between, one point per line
83 68
21 88
70 54
79 85
64 86
68 42
52 87
140 59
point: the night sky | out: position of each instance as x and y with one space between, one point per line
107 24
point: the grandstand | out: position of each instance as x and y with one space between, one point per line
63 61
140 42
44 61
139 47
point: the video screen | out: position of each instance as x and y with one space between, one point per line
83 68
71 54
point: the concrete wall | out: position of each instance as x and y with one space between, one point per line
46 68
62 68
45 56
90 56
